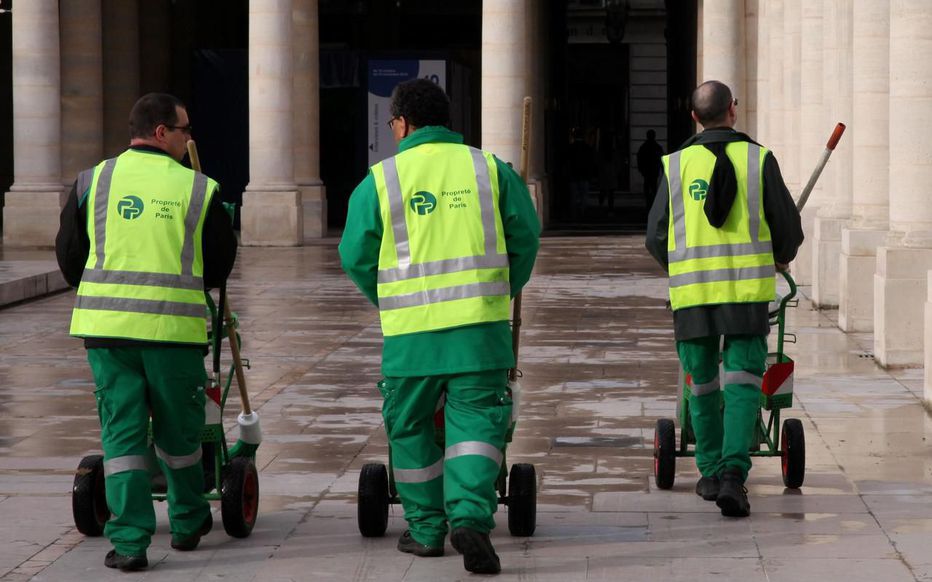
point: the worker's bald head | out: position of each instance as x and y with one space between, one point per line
711 101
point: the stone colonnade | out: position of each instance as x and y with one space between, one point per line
76 74
869 226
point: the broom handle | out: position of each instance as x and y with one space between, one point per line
523 166
826 154
227 316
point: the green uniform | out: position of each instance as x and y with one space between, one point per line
443 297
142 290
730 262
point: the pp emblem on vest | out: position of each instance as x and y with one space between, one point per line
423 203
130 207
698 189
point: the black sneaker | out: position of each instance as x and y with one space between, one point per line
708 487
478 554
126 563
409 545
190 543
733 497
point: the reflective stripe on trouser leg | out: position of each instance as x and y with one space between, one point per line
124 419
745 360
176 394
417 462
699 358
478 413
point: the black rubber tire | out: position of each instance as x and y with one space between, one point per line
239 497
664 453
372 500
89 497
522 500
793 453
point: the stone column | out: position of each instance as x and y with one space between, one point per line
504 76
763 83
121 71
833 215
749 101
871 166
82 105
814 127
537 89
272 214
775 54
723 45
33 202
306 51
792 70
901 279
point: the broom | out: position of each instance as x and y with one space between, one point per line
250 433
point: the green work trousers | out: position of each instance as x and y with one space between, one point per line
724 427
456 482
167 383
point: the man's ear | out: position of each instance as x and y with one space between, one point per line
695 117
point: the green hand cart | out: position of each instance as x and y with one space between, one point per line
788 443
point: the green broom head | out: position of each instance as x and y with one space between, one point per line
250 435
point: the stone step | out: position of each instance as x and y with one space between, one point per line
22 280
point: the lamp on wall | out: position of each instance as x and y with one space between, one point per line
616 18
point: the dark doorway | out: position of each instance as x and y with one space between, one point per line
6 103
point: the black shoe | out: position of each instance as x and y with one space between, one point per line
126 563
733 497
478 554
409 545
708 487
190 543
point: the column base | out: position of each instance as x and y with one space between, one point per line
900 287
314 204
272 218
31 215
826 248
856 278
802 265
927 385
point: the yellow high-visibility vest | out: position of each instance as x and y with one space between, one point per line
730 264
143 279
443 261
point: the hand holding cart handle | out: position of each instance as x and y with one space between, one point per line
829 148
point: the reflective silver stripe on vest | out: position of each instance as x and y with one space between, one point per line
141 306
179 461
418 475
754 190
125 463
715 275
142 278
198 195
474 448
486 204
676 197
84 181
101 200
743 378
706 388
430 296
723 250
396 205
443 267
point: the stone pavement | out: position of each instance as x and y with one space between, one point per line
599 369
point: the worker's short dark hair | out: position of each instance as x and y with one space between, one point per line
421 103
151 111
711 101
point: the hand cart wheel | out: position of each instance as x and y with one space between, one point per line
793 453
89 497
664 453
522 500
239 497
372 500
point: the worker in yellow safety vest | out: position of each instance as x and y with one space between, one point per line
141 237
439 238
721 222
